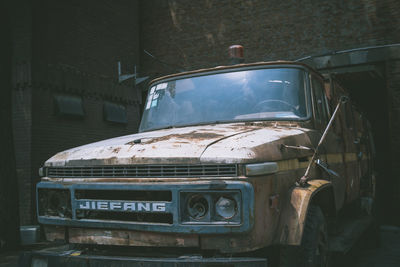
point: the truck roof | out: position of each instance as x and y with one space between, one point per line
236 66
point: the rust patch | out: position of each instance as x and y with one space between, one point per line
53 233
295 211
131 238
116 150
245 127
188 136
195 135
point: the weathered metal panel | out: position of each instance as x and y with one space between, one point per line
265 222
224 143
294 213
184 145
53 232
257 145
131 238
354 57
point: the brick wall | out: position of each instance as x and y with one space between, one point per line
52 133
22 103
22 119
69 48
195 34
76 48
90 35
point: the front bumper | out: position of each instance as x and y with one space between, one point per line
62 257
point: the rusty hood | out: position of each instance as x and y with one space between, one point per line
220 143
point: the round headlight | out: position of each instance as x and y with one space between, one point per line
226 207
197 207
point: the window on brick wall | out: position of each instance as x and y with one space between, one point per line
114 112
67 105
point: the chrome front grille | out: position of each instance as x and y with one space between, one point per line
130 171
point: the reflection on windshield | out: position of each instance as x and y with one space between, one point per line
261 94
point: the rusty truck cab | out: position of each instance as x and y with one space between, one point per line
214 166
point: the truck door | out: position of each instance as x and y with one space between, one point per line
332 150
351 145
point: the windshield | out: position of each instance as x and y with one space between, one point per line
258 94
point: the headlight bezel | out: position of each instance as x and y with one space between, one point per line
212 217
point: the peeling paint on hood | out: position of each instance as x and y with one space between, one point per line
229 143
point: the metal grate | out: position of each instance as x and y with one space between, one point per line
144 171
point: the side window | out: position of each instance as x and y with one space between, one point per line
321 114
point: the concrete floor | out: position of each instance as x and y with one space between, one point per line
9 259
387 254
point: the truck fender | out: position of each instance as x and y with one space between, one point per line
294 212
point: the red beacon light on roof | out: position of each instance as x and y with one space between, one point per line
236 54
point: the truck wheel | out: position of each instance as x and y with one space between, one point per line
314 248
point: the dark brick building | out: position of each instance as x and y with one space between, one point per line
67 52
194 34
66 91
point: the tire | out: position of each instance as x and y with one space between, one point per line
314 248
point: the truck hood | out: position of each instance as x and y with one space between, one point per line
220 143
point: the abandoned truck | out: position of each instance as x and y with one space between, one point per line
229 164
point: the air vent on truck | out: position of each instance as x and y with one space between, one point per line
144 171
